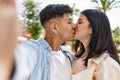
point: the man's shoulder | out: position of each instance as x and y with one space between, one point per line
64 48
67 50
31 43
69 53
34 44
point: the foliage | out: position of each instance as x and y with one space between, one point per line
116 35
118 49
106 5
31 13
76 11
75 45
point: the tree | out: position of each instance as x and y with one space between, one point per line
106 5
116 35
31 13
76 11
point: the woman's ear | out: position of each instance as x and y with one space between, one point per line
90 30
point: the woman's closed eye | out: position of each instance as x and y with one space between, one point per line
79 22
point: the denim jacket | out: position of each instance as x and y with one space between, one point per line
36 64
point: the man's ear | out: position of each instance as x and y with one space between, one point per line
54 27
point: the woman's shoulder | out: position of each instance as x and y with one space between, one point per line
105 66
109 61
106 61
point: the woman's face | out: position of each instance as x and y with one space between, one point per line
83 30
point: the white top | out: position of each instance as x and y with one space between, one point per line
78 76
60 66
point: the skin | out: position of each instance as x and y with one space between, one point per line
83 30
8 37
83 33
59 30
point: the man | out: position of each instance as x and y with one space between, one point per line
48 60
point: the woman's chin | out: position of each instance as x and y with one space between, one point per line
75 37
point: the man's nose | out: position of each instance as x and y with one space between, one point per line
74 26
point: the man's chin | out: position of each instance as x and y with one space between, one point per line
70 38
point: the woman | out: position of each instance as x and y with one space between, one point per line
97 58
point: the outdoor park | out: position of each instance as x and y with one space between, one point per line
31 27
20 23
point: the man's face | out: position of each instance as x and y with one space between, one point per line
66 28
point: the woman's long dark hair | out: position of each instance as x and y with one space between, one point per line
101 38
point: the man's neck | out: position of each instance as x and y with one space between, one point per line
54 43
